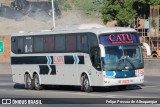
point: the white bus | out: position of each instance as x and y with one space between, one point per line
85 55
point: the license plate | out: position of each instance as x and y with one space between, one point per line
125 81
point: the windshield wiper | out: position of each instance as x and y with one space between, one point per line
130 62
119 62
125 59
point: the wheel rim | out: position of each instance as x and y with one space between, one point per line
36 82
86 84
28 81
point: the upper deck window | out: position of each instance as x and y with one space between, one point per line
55 43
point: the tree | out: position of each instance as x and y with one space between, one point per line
120 10
125 11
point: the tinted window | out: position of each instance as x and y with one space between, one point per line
13 44
71 43
38 44
28 44
49 44
20 45
93 41
17 45
82 42
60 43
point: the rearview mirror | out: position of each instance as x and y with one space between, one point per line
120 47
102 50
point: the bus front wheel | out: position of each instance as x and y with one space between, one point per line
85 84
28 82
36 82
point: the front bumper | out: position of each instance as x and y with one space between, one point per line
122 81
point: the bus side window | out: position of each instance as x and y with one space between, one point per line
38 44
14 44
60 43
17 45
82 42
28 44
92 40
71 43
49 44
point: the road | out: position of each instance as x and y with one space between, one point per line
150 89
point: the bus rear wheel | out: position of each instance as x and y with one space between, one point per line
85 84
28 82
36 82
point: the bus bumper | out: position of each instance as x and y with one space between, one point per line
122 81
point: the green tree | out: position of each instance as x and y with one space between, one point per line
125 11
153 2
120 10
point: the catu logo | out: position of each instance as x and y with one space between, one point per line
58 59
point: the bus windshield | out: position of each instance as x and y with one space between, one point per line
123 58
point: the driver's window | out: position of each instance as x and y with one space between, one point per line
95 57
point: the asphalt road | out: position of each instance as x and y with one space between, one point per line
150 89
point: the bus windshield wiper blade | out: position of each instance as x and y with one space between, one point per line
119 62
130 62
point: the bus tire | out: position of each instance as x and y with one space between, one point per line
82 88
28 82
36 82
86 85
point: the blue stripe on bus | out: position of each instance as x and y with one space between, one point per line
121 74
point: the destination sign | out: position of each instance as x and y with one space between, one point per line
119 38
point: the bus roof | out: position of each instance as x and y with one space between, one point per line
94 28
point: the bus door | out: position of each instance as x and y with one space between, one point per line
96 63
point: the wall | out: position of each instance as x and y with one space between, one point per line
152 67
5 57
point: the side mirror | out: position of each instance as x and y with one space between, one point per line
102 50
97 62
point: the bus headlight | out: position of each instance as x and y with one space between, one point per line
139 72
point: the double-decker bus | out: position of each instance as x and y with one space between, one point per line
85 55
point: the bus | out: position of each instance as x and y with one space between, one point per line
84 55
